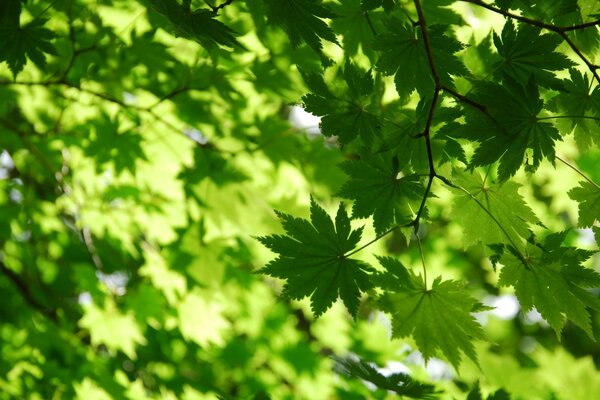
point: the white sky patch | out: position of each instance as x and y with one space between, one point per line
437 369
586 237
196 136
115 282
85 298
534 317
129 98
506 306
394 367
305 120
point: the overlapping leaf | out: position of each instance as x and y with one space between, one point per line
503 201
581 104
403 55
347 115
551 279
303 21
312 259
17 43
588 197
199 25
507 126
399 383
378 189
526 51
439 319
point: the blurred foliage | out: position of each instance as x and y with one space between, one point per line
145 144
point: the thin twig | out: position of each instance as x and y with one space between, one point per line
561 30
23 288
574 168
535 22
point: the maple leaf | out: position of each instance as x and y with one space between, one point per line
303 21
403 55
525 52
17 43
378 190
352 22
347 115
508 127
503 201
199 25
581 102
439 319
551 279
588 197
312 259
399 383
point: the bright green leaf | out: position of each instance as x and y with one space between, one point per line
439 319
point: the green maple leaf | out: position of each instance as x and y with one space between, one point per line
199 25
439 319
312 259
347 115
588 197
378 190
123 150
578 100
17 43
352 23
403 55
387 5
502 200
551 279
525 52
508 127
399 383
303 21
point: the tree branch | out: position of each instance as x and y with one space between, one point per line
215 9
561 30
23 288
530 21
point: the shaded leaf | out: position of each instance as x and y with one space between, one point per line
552 279
377 188
312 259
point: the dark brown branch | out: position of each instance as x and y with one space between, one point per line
427 43
593 68
561 30
23 288
216 9
535 22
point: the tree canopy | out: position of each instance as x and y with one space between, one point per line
300 199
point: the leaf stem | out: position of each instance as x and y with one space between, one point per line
574 168
378 237
569 116
370 23
489 213
422 261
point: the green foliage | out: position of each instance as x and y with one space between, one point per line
552 279
439 319
399 383
144 145
378 190
21 41
347 115
314 262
